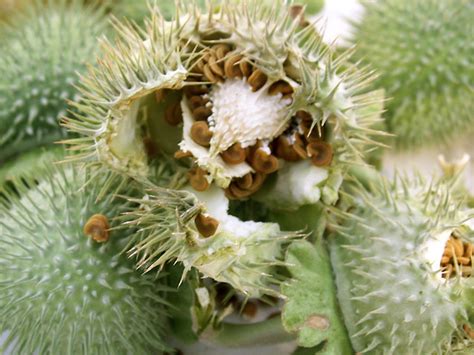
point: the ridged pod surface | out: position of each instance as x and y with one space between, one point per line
61 291
423 52
387 259
42 50
242 96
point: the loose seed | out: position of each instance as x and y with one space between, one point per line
197 179
206 225
320 152
97 227
257 80
235 154
174 114
201 134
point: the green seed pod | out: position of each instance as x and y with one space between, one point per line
247 99
43 50
402 258
423 52
66 286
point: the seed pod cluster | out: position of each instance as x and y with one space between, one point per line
299 141
457 258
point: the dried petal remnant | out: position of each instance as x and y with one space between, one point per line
97 227
206 225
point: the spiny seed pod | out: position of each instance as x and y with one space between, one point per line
43 50
423 52
402 258
250 101
63 292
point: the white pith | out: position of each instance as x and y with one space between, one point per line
433 249
239 115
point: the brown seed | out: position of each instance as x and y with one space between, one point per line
463 260
458 246
245 68
445 260
320 152
280 87
193 90
263 162
299 148
238 192
197 101
231 69
257 80
215 67
245 182
210 75
97 227
202 113
284 150
197 179
201 134
468 249
235 154
221 50
174 114
179 154
206 225
448 251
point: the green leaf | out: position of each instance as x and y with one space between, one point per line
311 309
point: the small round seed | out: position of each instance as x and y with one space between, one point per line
201 134
257 80
197 179
445 260
215 67
174 114
235 154
210 75
202 113
468 249
320 152
245 182
458 246
197 101
221 50
280 87
206 225
179 154
245 68
97 227
284 150
193 90
263 162
231 69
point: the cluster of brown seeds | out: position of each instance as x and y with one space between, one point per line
97 227
300 141
457 256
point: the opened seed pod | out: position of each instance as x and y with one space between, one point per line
250 101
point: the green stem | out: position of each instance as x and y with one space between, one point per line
267 332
